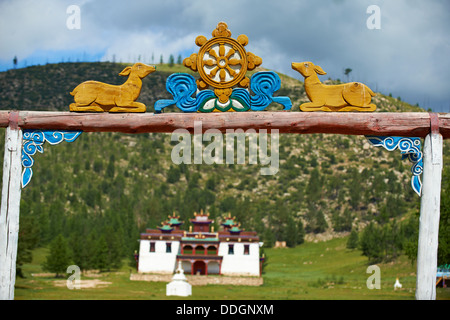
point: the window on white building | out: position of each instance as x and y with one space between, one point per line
168 247
246 249
152 247
230 249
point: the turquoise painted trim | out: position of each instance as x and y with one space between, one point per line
183 86
33 141
197 239
410 148
264 84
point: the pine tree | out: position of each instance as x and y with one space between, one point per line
342 222
28 240
352 242
316 219
322 224
173 175
268 238
171 60
291 236
80 253
347 72
90 250
101 258
115 246
371 243
301 231
314 188
59 258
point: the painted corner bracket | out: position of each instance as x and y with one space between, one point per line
33 141
409 148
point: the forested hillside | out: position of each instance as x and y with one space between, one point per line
103 189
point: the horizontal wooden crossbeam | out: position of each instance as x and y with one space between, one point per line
405 124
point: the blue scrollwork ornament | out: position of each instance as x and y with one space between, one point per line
264 84
183 86
409 148
33 141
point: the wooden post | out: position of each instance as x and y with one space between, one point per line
429 218
9 214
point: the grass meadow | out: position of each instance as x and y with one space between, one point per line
311 271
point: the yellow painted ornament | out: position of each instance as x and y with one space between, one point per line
222 62
353 96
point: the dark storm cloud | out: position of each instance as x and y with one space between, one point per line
407 57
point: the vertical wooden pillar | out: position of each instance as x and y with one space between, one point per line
9 214
429 218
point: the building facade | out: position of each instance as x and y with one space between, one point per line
201 250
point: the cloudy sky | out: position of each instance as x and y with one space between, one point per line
408 56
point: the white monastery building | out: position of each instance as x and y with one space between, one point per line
201 251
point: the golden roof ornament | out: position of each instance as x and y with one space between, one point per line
222 62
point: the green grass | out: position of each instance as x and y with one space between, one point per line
312 271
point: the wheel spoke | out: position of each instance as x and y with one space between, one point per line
213 72
213 53
221 50
230 53
231 71
235 62
222 75
210 62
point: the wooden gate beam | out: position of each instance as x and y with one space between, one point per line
405 124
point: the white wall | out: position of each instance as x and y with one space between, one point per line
235 264
158 261
239 263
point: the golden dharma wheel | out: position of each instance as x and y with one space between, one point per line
222 62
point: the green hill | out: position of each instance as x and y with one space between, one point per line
116 185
